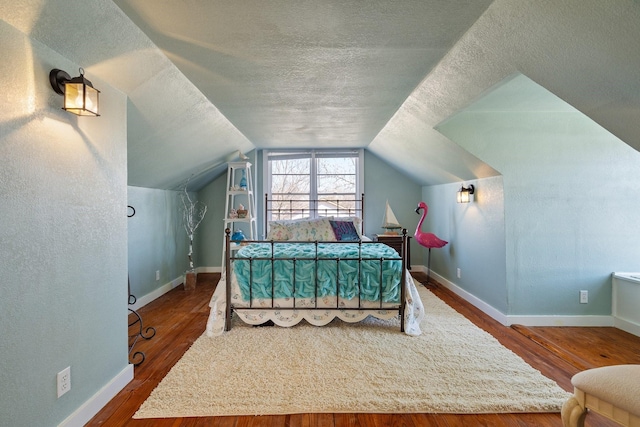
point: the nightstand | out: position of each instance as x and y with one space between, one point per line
395 241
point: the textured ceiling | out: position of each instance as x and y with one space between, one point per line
305 73
206 78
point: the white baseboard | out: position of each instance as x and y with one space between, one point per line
157 293
91 407
551 320
209 269
526 320
625 325
469 297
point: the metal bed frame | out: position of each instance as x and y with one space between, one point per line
230 257
341 207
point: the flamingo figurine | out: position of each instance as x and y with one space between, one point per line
428 240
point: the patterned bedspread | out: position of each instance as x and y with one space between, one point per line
354 277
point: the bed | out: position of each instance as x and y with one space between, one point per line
315 264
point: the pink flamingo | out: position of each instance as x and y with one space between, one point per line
428 240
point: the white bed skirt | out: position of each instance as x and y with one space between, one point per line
283 316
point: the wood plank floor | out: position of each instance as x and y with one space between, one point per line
180 317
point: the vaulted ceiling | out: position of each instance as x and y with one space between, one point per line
206 78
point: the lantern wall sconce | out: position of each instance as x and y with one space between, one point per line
80 97
464 194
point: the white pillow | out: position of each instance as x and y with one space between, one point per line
279 228
278 231
313 229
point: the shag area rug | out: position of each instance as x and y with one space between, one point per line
453 367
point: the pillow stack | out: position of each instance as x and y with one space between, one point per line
327 229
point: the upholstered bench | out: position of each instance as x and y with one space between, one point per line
612 391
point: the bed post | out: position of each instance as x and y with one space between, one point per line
227 274
361 213
403 302
266 215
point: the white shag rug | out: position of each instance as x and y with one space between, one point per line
453 367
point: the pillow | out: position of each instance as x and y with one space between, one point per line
279 228
345 231
357 222
278 231
313 229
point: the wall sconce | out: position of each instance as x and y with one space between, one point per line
80 97
464 194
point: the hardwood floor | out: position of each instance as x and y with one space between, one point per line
179 318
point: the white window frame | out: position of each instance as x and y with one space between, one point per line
313 154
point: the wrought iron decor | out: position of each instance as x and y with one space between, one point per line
141 332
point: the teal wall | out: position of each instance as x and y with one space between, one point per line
211 233
382 182
570 201
157 239
63 228
476 235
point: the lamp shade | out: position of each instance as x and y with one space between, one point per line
80 97
464 194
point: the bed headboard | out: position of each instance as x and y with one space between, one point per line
287 209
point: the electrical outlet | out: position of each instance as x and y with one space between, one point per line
157 274
64 381
584 297
458 272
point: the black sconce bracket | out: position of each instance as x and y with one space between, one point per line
58 78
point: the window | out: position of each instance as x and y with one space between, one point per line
313 183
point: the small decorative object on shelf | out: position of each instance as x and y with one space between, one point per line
243 181
240 204
238 235
390 222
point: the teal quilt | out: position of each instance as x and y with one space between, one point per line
337 271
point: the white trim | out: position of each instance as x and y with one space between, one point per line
625 293
630 277
526 320
469 297
157 293
209 269
91 407
625 325
554 320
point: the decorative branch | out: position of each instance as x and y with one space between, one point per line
193 213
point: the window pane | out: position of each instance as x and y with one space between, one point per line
334 183
328 184
289 166
290 184
290 176
337 165
336 175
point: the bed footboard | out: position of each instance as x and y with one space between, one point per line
361 260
